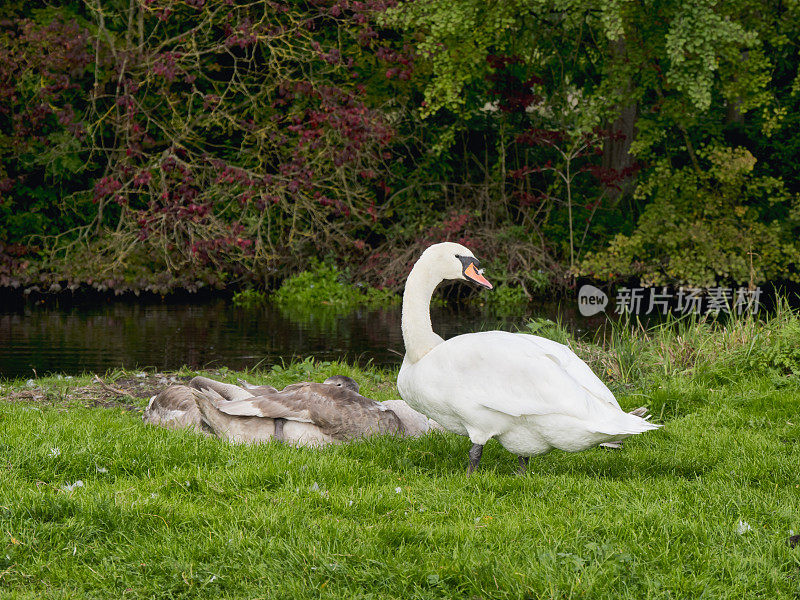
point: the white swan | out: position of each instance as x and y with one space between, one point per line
530 393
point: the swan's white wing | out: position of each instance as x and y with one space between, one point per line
574 366
510 374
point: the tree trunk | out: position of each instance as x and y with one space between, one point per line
616 148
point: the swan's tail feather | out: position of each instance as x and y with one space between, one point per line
625 424
640 412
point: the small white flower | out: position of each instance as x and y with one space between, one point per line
68 377
742 527
350 503
54 452
397 490
72 486
101 469
141 375
213 578
30 383
315 487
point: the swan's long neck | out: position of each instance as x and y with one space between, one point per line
418 334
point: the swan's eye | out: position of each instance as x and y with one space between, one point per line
466 261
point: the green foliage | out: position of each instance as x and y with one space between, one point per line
537 281
724 224
323 287
455 38
552 330
781 354
699 36
249 298
506 300
773 347
245 139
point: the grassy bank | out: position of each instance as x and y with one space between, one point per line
702 508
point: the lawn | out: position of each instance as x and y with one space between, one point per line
700 509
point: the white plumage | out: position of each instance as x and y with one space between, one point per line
530 393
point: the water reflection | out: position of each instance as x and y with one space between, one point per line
74 339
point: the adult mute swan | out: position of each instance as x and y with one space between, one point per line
530 393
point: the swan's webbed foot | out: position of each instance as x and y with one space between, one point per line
523 465
279 430
612 445
474 457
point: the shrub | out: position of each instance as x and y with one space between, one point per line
322 287
507 299
722 225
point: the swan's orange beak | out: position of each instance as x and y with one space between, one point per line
472 274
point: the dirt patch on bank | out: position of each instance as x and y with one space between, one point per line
126 391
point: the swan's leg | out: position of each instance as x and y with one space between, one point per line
279 429
612 445
474 457
523 464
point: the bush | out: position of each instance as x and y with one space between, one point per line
322 287
507 300
720 226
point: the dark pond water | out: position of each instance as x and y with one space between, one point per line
59 338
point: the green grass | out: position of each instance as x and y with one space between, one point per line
170 514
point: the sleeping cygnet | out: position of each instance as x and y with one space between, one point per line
302 414
175 406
